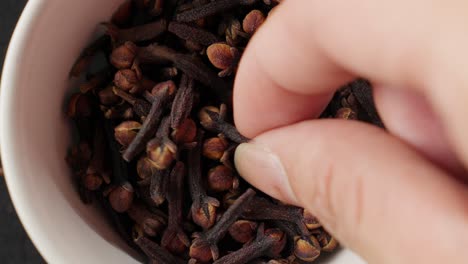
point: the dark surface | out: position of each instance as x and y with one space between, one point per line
15 246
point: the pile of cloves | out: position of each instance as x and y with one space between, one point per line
156 141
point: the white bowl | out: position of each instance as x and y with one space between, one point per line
35 135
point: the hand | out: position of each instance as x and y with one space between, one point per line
393 197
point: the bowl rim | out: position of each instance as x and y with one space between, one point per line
16 47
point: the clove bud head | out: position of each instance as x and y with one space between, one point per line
144 168
199 217
346 113
176 246
327 242
161 153
200 250
186 132
92 181
310 220
243 231
306 249
220 55
162 86
221 178
128 80
108 97
123 57
126 132
151 224
214 148
279 239
121 197
253 21
205 118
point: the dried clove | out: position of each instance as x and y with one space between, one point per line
193 34
212 119
151 223
203 207
149 125
140 106
223 57
126 132
211 8
153 250
136 34
269 242
174 238
183 101
126 55
271 211
214 148
308 249
142 120
253 21
243 231
185 133
221 179
204 246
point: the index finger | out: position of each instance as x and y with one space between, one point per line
308 48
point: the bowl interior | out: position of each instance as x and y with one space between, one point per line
35 135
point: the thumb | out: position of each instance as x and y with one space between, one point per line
371 191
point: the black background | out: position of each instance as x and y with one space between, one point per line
15 246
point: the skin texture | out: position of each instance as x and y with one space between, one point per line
387 195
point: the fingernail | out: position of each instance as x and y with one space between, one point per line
262 168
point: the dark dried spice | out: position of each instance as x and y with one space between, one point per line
149 125
212 119
269 242
327 242
192 33
123 13
126 132
162 125
136 34
161 152
158 186
311 221
307 250
363 94
253 21
107 97
128 53
214 148
140 106
211 8
204 247
118 112
174 238
346 113
243 231
223 57
151 223
121 197
203 207
271 211
183 101
221 179
153 250
185 133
